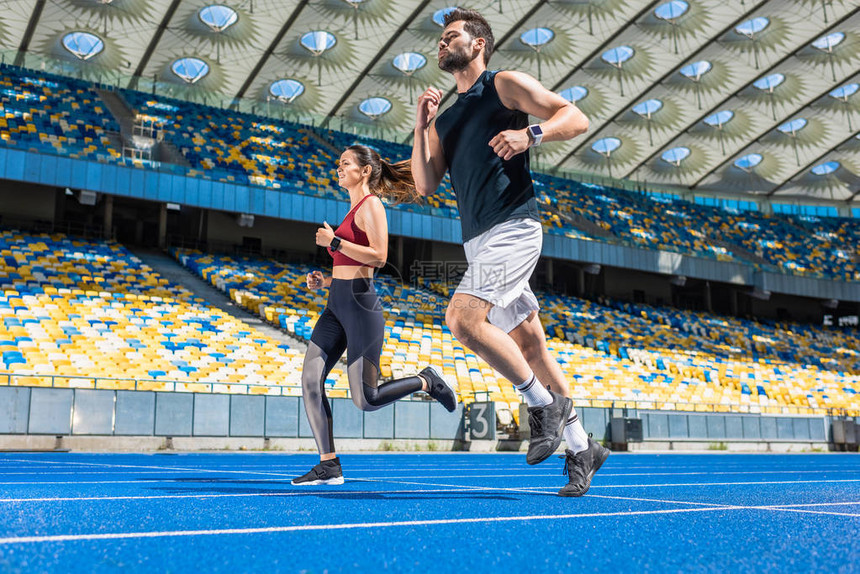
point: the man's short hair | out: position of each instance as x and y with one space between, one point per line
476 26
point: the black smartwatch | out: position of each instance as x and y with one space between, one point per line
335 244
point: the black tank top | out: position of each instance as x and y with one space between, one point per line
489 190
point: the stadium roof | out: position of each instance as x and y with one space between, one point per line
688 90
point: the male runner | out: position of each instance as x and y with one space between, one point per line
483 141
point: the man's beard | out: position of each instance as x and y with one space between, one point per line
454 62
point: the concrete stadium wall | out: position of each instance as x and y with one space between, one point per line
48 411
17 165
34 411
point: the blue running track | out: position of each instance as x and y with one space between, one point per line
427 513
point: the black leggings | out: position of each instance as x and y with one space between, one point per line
352 321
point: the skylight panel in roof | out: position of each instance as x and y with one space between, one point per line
793 126
287 90
671 10
83 44
374 107
190 70
606 146
318 41
439 15
720 118
752 27
769 82
828 42
844 92
618 55
409 62
574 93
825 168
218 17
748 161
647 107
696 70
676 155
537 37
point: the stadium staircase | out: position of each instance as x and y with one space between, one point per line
174 272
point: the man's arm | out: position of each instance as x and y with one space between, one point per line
518 91
428 163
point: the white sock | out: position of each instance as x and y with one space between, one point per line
574 435
536 394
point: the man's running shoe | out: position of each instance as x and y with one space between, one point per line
326 472
439 389
580 468
547 425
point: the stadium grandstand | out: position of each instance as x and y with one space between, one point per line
165 165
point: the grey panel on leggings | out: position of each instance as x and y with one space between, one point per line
14 409
93 412
445 425
411 419
379 424
716 426
698 425
348 419
135 413
768 428
282 416
247 415
50 411
751 427
304 426
678 426
211 415
173 414
734 426
656 425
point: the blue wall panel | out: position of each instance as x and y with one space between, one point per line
282 416
50 411
93 412
247 415
32 166
347 419
15 164
14 409
49 173
135 413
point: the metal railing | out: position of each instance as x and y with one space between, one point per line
162 385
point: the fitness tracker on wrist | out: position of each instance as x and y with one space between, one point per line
536 134
335 243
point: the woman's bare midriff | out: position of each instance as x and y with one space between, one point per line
351 272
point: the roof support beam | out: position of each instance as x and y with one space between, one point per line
28 33
608 42
271 49
665 77
780 62
771 127
375 60
159 32
787 180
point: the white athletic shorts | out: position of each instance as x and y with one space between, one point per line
501 261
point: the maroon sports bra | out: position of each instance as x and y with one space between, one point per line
349 231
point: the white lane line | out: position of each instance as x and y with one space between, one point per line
347 526
674 484
170 469
334 491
